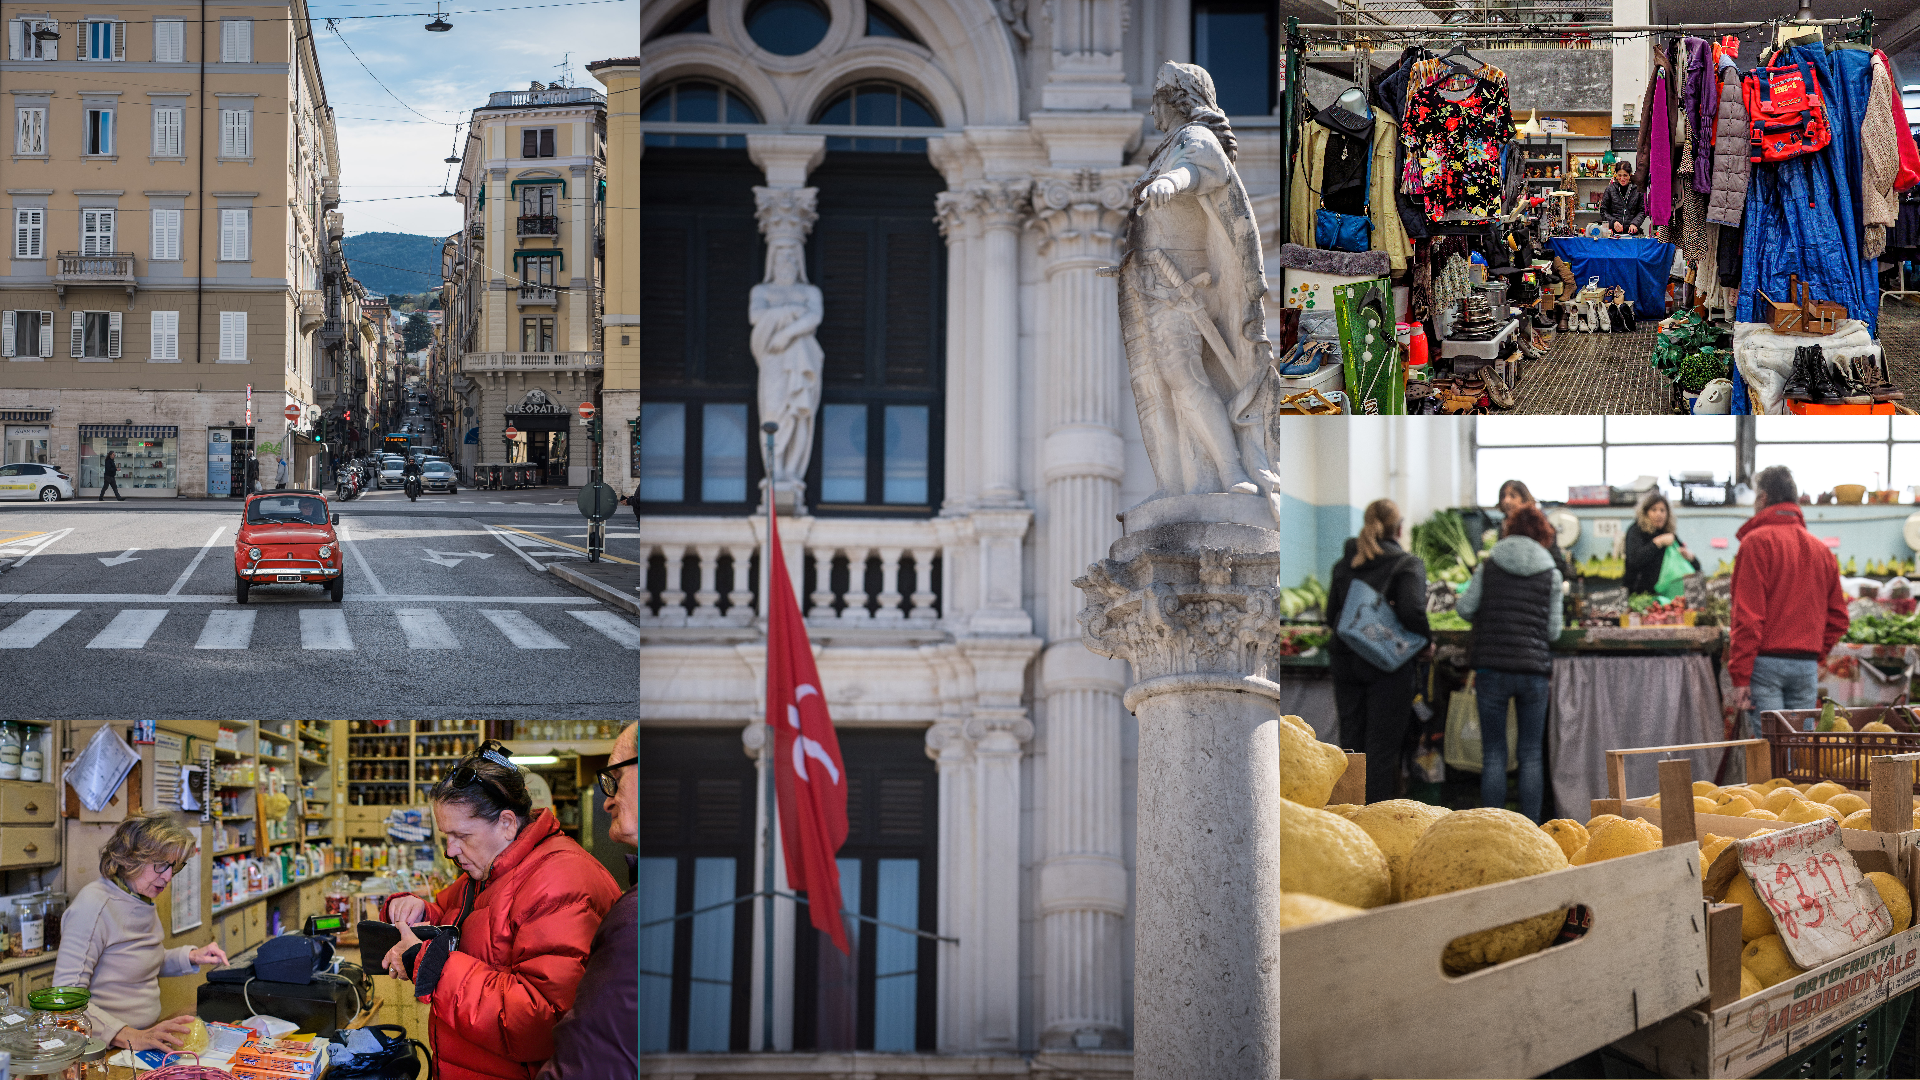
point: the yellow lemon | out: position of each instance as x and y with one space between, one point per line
1859 819
1824 790
1301 909
1847 802
1877 725
1330 857
1704 805
1731 805
1568 833
1755 920
1761 815
1469 848
1308 767
1710 848
1807 811
1596 821
1653 803
1899 904
1395 824
1768 960
1616 838
1781 798
1702 787
1344 809
1749 982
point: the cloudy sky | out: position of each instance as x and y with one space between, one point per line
395 152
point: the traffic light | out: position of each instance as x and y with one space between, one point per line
593 429
323 429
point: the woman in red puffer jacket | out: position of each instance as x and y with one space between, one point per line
526 907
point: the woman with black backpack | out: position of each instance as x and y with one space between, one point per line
1375 702
1513 603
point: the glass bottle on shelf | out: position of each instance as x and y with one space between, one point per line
31 918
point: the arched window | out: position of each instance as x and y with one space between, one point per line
697 101
877 104
787 27
883 23
691 21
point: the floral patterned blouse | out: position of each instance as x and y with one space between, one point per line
1453 146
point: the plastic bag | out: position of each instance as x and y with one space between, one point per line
1463 731
1674 568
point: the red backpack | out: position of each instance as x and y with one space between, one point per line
1787 111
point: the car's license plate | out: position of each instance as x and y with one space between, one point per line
288 577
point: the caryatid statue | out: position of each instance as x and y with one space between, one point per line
785 311
1191 282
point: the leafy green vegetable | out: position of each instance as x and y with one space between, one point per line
1885 630
1441 542
1447 620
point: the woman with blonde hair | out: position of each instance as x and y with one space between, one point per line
110 937
1375 705
1647 542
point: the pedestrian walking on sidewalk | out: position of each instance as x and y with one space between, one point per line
110 482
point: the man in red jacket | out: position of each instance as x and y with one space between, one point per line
1788 609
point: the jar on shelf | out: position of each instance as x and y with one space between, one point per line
33 761
56 910
10 742
30 916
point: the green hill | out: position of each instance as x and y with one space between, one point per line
388 262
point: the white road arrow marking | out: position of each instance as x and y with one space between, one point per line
452 558
124 557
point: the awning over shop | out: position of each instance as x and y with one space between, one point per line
126 431
26 416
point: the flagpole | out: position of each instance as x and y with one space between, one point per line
773 816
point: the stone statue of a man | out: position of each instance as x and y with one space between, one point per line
1191 283
785 311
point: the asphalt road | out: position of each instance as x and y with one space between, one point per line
125 609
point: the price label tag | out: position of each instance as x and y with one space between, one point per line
1823 906
10 1020
50 1044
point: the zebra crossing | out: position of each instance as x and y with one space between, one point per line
324 629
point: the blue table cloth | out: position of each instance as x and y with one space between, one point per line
1638 265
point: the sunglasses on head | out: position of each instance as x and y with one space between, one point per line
492 750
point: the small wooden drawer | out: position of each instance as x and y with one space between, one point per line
233 933
28 845
28 804
312 902
256 924
38 978
366 815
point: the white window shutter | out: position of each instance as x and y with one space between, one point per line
6 333
119 41
20 235
240 234
233 336
106 232
243 133
46 335
79 342
166 335
113 335
228 241
15 33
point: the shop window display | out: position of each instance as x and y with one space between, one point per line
147 464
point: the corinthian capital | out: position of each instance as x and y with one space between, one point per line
785 211
1001 203
1203 600
1082 212
950 213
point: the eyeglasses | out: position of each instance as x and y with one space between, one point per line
169 868
610 776
492 750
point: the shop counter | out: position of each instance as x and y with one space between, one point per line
1638 265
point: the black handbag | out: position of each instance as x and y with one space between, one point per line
397 1059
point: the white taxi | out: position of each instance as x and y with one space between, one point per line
28 481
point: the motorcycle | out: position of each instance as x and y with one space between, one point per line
348 484
413 486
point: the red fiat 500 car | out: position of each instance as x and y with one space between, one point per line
287 537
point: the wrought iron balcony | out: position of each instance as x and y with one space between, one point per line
511 361
332 332
102 268
539 294
538 225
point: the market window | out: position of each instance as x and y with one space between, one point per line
30 132
95 335
1238 42
104 41
22 45
787 27
26 335
877 104
697 101
1551 455
1872 451
166 130
97 136
536 142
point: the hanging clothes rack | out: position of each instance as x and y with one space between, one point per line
1363 38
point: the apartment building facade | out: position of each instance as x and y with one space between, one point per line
522 312
165 197
620 320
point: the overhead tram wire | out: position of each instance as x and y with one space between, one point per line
345 18
333 25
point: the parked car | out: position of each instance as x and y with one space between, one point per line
287 538
392 471
29 481
438 476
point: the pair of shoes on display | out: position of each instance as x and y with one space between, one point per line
1815 381
1874 378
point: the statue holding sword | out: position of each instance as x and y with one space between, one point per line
1191 283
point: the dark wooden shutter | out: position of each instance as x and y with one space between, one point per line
909 283
546 142
732 270
529 142
723 808
663 306
844 283
660 811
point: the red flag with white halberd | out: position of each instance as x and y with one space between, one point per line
810 780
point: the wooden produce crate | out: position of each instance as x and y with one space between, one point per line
1644 958
1808 757
1730 1036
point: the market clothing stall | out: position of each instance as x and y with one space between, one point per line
1637 265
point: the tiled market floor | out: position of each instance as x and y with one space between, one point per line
1610 374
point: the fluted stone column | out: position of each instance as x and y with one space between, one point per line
1193 606
950 213
1002 207
1083 879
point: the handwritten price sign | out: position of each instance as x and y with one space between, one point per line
1822 905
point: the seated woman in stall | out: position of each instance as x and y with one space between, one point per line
111 942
